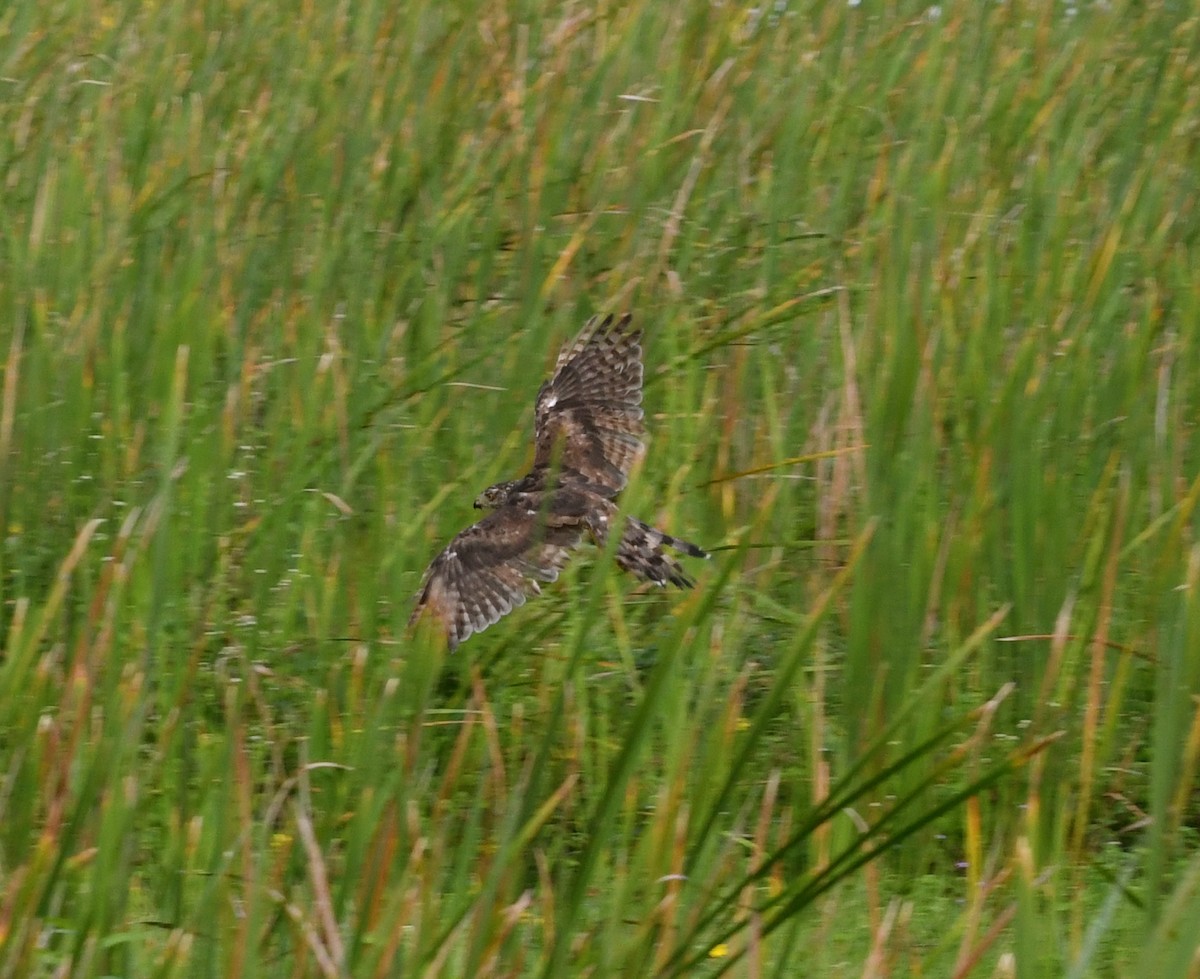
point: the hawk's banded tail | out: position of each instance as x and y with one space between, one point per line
641 552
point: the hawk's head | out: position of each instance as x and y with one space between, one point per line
495 496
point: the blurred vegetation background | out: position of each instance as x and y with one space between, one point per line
921 291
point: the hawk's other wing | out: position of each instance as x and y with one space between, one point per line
492 567
589 414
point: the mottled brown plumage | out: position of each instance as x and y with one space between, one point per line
587 437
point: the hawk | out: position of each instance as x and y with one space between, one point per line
587 437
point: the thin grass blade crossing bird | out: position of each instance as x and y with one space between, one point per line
587 437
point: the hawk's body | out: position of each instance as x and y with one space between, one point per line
587 438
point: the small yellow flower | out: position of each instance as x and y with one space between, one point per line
718 951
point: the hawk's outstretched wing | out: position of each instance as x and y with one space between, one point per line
589 414
492 567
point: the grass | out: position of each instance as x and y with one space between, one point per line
920 285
